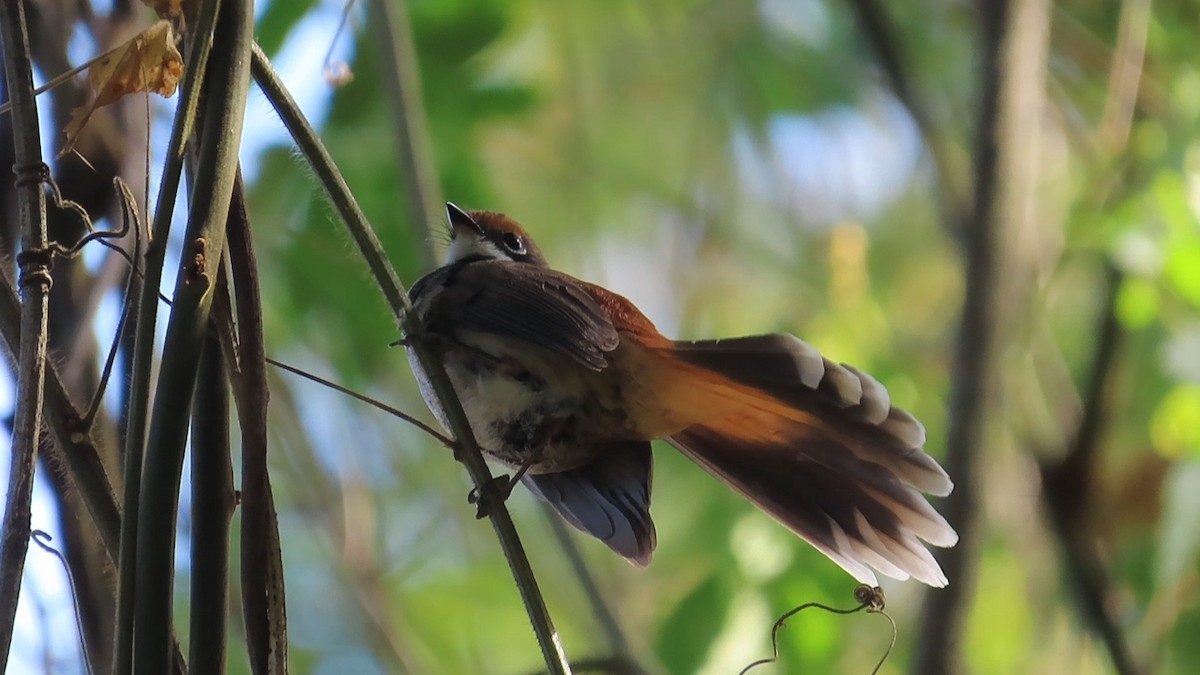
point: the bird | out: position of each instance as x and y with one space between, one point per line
567 383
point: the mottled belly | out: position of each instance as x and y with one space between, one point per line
540 408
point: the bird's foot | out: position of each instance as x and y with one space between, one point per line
491 495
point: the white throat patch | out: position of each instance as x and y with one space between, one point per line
467 244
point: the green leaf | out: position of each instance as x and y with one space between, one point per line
1183 270
1175 427
683 639
1137 302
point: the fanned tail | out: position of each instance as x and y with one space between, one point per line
818 446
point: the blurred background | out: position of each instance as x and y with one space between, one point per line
855 172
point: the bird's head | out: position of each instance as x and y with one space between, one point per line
489 235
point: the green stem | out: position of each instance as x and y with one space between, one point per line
226 84
147 313
603 614
389 283
34 283
402 83
212 509
264 605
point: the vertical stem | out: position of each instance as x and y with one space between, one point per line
137 412
226 84
944 613
602 613
402 83
212 510
264 605
34 284
1066 491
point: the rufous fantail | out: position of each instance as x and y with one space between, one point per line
567 383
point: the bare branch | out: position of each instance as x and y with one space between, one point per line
34 284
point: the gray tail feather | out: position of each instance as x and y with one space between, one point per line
860 519
608 498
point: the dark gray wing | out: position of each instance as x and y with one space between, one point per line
608 498
515 300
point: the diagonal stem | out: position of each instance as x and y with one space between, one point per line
389 283
263 597
1065 491
402 84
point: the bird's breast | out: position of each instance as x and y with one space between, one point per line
525 402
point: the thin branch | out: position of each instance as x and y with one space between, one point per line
43 540
263 599
332 182
130 218
388 282
394 412
226 85
137 411
74 446
402 84
1125 77
213 503
943 614
603 614
34 284
1066 491
881 35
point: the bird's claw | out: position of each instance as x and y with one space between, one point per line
490 495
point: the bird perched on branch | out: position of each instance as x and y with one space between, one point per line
567 383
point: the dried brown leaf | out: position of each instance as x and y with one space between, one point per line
148 62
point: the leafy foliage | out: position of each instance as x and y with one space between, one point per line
737 168
612 131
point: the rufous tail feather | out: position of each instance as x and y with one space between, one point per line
819 447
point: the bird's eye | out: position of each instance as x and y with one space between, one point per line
513 243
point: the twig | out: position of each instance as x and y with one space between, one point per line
226 85
385 277
402 83
1125 76
869 598
263 600
43 539
34 284
1066 489
943 614
395 412
137 412
875 26
600 609
128 214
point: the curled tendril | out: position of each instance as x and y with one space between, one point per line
869 598
43 539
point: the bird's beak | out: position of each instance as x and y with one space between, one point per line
460 219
